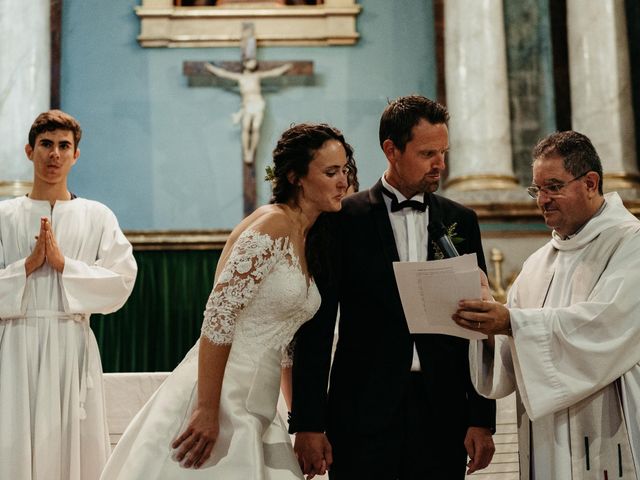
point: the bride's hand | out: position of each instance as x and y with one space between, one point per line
196 442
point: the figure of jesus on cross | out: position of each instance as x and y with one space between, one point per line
252 111
248 75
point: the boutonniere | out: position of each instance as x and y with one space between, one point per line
455 239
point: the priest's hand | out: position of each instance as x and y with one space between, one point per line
314 453
39 254
55 259
480 448
196 443
490 318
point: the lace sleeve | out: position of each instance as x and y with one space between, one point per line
287 354
251 259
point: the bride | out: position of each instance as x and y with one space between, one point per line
215 416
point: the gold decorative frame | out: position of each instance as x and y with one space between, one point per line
617 181
14 189
527 212
508 212
177 239
165 25
525 217
482 182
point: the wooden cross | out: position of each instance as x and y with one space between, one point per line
249 75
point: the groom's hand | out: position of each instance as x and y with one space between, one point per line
314 453
480 448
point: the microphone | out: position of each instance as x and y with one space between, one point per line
438 234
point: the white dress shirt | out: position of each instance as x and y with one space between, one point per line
410 232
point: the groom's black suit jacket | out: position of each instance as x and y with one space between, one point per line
371 368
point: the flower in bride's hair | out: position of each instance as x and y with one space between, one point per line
270 174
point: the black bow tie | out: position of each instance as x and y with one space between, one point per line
414 204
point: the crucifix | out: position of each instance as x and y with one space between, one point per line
247 75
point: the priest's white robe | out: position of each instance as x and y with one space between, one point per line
52 414
574 355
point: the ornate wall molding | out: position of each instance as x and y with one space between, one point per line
14 188
521 221
177 239
164 25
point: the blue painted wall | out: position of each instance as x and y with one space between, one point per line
164 155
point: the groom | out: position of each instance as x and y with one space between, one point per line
400 406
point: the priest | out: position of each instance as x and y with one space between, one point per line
61 259
567 340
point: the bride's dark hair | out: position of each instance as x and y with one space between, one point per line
294 151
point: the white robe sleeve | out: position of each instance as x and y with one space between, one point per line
13 282
492 371
104 285
253 256
569 353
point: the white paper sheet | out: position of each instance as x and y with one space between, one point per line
430 292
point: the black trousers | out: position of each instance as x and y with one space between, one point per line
417 446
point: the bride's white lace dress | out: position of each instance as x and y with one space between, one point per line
259 301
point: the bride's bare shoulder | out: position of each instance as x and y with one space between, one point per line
271 220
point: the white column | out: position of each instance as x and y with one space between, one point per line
601 106
477 96
25 78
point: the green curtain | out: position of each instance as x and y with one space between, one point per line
162 318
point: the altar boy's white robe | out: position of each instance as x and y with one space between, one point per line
52 415
575 362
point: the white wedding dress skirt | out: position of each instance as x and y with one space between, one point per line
259 302
252 444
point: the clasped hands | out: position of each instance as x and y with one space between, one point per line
485 316
46 250
314 453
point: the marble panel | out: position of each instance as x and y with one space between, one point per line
530 76
633 30
25 67
601 101
477 89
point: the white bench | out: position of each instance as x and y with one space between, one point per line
125 394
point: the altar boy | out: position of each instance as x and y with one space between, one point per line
61 259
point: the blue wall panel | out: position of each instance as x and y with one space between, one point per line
164 155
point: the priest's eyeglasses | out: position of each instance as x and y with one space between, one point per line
553 189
